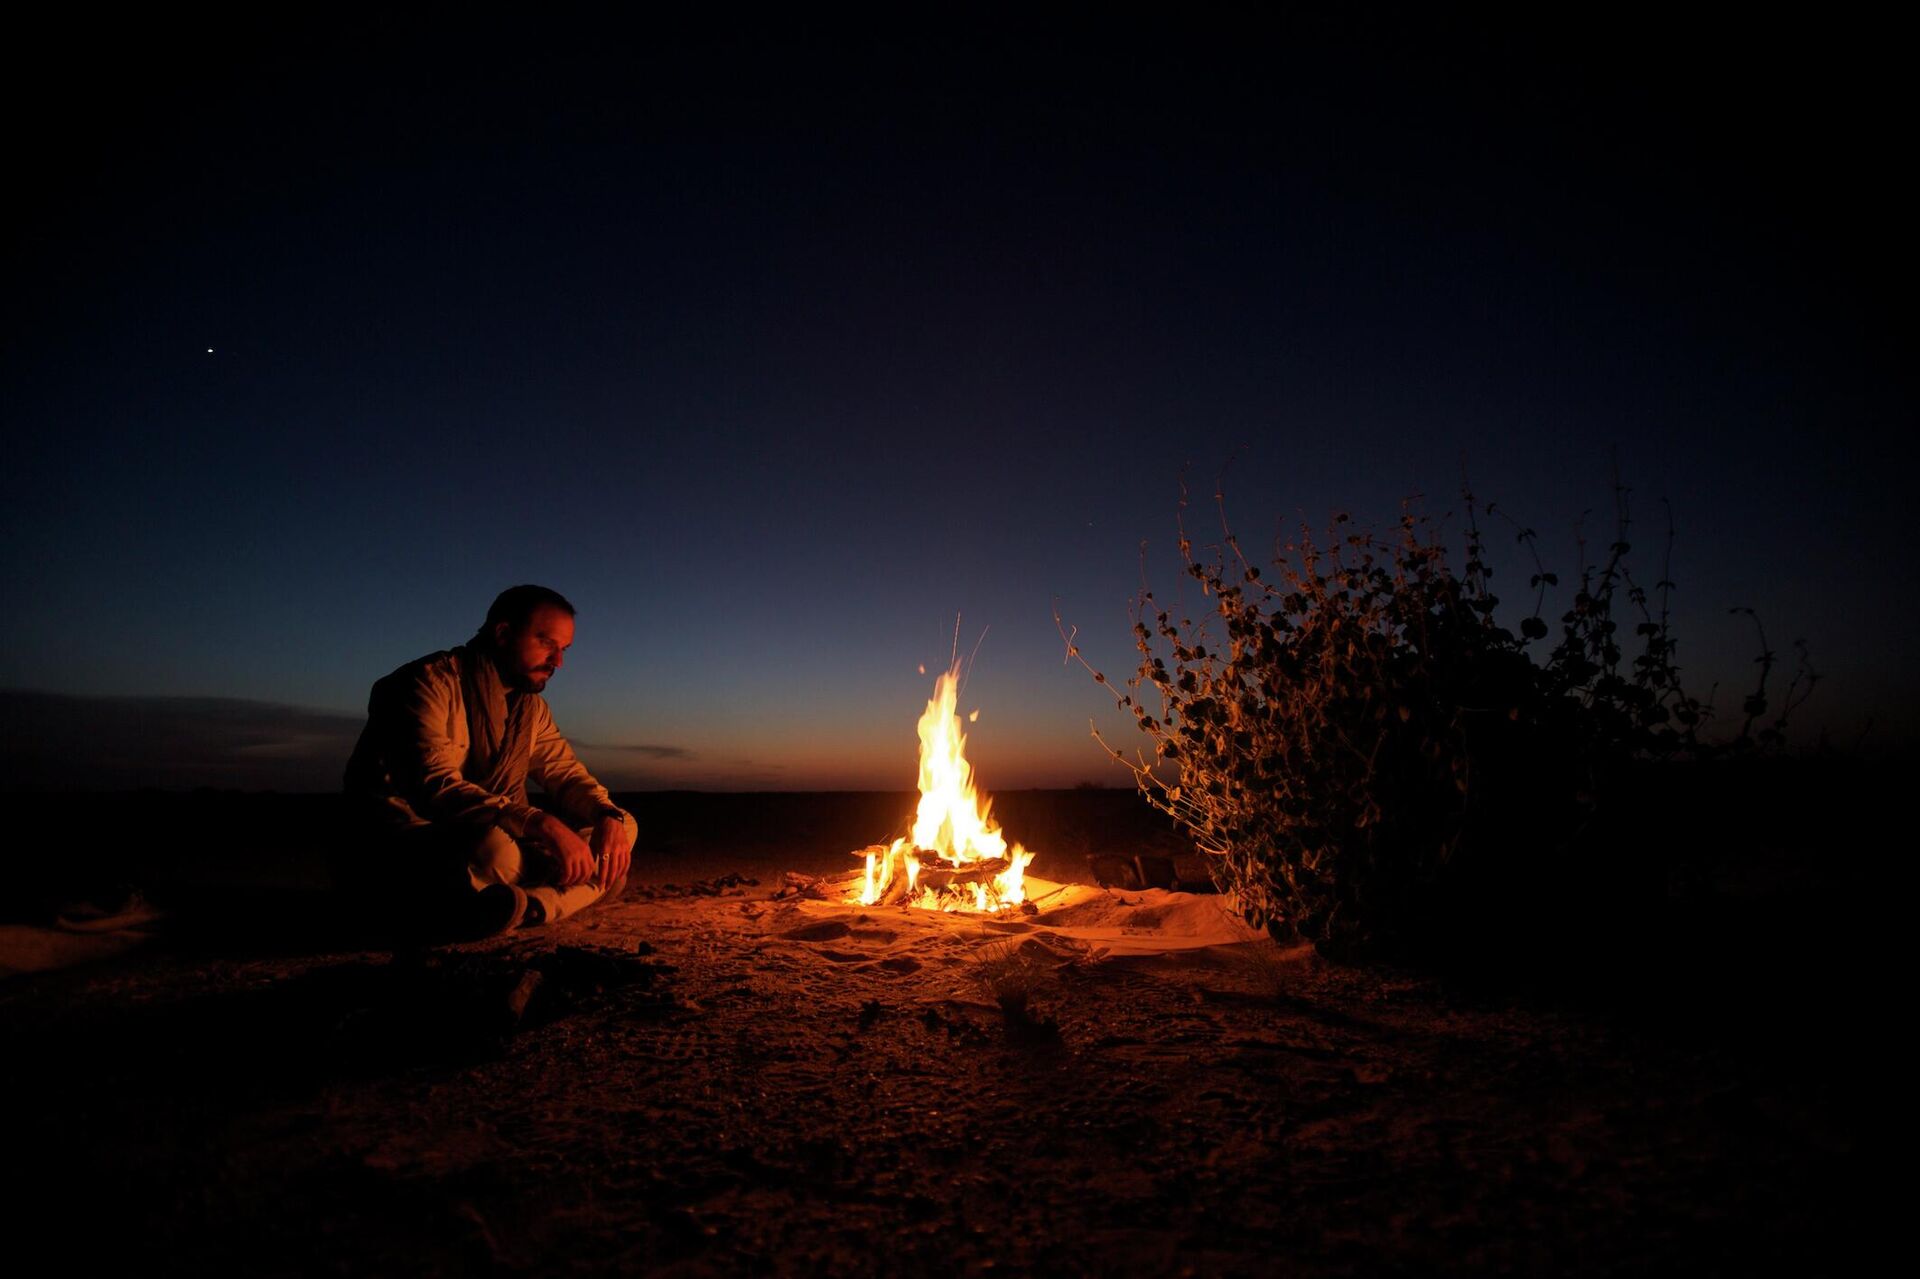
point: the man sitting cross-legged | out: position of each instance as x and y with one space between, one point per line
438 783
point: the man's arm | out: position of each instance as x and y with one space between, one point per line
581 799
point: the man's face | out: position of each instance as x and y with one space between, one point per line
530 654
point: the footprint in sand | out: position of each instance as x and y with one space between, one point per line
825 930
896 966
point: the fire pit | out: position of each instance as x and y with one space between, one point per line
956 859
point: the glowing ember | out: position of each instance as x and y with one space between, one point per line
956 859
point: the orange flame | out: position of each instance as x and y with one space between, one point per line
953 825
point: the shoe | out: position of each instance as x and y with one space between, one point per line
109 914
495 909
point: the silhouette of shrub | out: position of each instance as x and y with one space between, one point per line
1365 750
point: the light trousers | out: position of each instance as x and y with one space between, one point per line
499 859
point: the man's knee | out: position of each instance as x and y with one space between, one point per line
496 859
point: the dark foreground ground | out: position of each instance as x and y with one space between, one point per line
707 1079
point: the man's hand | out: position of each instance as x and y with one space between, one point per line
575 858
614 846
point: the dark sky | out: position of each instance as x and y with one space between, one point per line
777 349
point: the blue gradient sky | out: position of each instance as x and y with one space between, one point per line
775 353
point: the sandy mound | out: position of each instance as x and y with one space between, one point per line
1077 922
1097 921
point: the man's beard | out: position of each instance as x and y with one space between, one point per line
519 679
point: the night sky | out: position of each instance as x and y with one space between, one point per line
775 350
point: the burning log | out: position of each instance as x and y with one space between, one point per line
939 876
932 864
899 874
886 881
896 893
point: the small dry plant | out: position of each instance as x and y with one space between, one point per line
1344 736
1012 974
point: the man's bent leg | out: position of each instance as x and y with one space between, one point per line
560 902
495 859
428 878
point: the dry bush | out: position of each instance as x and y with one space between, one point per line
1357 741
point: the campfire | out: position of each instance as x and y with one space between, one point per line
956 858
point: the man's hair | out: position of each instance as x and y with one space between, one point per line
515 605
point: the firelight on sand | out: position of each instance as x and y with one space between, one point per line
956 858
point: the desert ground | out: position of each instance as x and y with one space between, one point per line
733 1069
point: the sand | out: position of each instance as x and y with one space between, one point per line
735 1077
